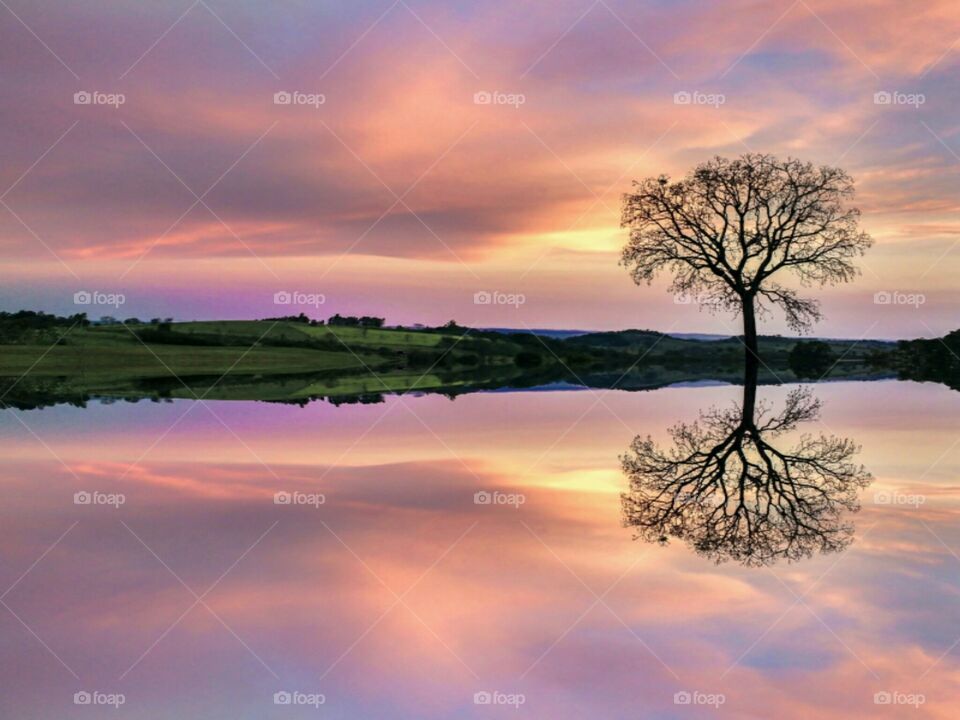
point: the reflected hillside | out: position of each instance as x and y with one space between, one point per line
363 386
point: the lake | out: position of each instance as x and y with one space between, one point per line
433 558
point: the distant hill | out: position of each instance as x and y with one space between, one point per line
774 347
558 334
703 337
599 337
564 334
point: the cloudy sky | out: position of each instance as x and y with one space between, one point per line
432 150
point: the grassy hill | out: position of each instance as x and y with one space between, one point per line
259 347
45 359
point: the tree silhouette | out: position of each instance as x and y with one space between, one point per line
731 494
731 229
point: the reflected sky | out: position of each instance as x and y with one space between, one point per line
399 597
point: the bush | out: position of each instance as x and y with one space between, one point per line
812 358
527 359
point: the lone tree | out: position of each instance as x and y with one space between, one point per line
731 229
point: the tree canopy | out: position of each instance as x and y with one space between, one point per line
732 228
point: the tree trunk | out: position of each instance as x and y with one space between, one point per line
751 360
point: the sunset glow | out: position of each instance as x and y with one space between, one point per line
400 174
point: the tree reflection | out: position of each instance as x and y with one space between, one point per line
734 487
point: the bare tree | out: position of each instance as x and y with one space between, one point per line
732 491
731 229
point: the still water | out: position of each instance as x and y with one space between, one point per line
429 558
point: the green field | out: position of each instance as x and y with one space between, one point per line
352 337
274 360
47 359
116 352
199 348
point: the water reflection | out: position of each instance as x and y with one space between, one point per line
736 486
505 595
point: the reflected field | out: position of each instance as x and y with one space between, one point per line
381 580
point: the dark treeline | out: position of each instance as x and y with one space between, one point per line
936 360
363 321
25 324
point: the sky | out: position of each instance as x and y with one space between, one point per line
434 155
